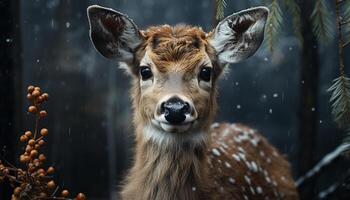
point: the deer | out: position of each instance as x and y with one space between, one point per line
180 154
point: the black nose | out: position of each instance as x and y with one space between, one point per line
175 110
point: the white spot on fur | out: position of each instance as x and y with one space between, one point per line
227 164
231 180
236 157
259 190
247 179
215 125
215 152
254 166
252 190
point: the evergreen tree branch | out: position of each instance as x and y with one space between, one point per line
322 23
294 10
340 99
346 21
220 9
274 23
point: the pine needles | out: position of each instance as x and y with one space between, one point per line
340 99
346 22
220 9
274 23
322 23
294 10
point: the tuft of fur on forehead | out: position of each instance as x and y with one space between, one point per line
180 43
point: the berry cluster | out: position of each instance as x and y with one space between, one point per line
34 181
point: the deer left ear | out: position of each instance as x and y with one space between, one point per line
239 35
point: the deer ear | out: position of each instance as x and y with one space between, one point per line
239 35
113 34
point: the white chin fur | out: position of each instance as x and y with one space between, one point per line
170 128
165 134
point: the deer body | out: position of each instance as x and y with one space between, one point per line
178 154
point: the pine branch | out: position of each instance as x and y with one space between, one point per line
346 7
340 99
346 21
327 160
322 23
347 140
220 9
274 23
294 10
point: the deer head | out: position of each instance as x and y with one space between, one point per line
175 69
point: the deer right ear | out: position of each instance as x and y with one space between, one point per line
113 34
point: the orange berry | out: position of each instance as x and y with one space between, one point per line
5 171
43 113
23 138
33 153
29 97
30 89
41 175
24 159
31 169
44 132
65 193
41 142
37 162
32 109
36 93
45 96
51 185
42 195
40 99
28 133
17 191
28 149
31 142
50 170
37 88
81 196
42 157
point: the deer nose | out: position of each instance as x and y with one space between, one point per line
175 110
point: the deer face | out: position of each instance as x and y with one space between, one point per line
175 68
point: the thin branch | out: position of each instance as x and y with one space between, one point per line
325 161
346 44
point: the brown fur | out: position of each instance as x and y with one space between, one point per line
184 170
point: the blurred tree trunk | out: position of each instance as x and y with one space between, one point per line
307 115
10 83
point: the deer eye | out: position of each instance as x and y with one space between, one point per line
205 74
145 72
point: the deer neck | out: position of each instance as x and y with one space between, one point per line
168 166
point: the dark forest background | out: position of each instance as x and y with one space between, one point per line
46 43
